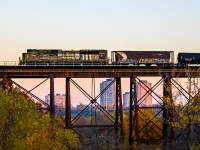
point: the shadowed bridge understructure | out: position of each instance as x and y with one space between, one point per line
166 74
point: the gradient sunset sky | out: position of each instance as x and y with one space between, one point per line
172 25
166 25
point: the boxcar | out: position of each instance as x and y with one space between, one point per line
147 58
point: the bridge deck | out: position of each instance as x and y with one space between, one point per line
95 71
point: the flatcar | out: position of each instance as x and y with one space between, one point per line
64 57
185 59
146 58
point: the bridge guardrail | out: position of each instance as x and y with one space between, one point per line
9 63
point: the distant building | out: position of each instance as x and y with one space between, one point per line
59 100
126 100
107 99
141 91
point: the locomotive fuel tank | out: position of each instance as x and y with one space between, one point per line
188 58
142 57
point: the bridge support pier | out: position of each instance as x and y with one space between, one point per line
68 105
119 109
167 113
52 100
133 108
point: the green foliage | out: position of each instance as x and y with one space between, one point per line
23 127
185 119
149 126
185 116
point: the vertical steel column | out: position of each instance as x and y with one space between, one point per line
117 103
190 97
133 98
116 111
121 110
136 107
119 106
131 112
167 114
52 101
68 105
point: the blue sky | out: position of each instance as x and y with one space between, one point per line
109 24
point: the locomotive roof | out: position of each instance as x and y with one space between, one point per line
43 49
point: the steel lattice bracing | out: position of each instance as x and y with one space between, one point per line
167 115
137 113
116 121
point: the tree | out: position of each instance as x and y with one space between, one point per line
23 127
186 121
148 124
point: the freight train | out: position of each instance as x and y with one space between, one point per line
100 57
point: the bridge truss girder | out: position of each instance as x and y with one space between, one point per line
168 135
116 122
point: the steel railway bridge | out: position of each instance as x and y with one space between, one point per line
133 73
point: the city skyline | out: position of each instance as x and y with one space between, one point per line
107 99
77 97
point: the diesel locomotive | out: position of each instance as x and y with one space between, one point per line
64 57
100 57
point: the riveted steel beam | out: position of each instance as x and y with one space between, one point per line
95 71
68 104
52 100
167 114
119 109
29 93
133 108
